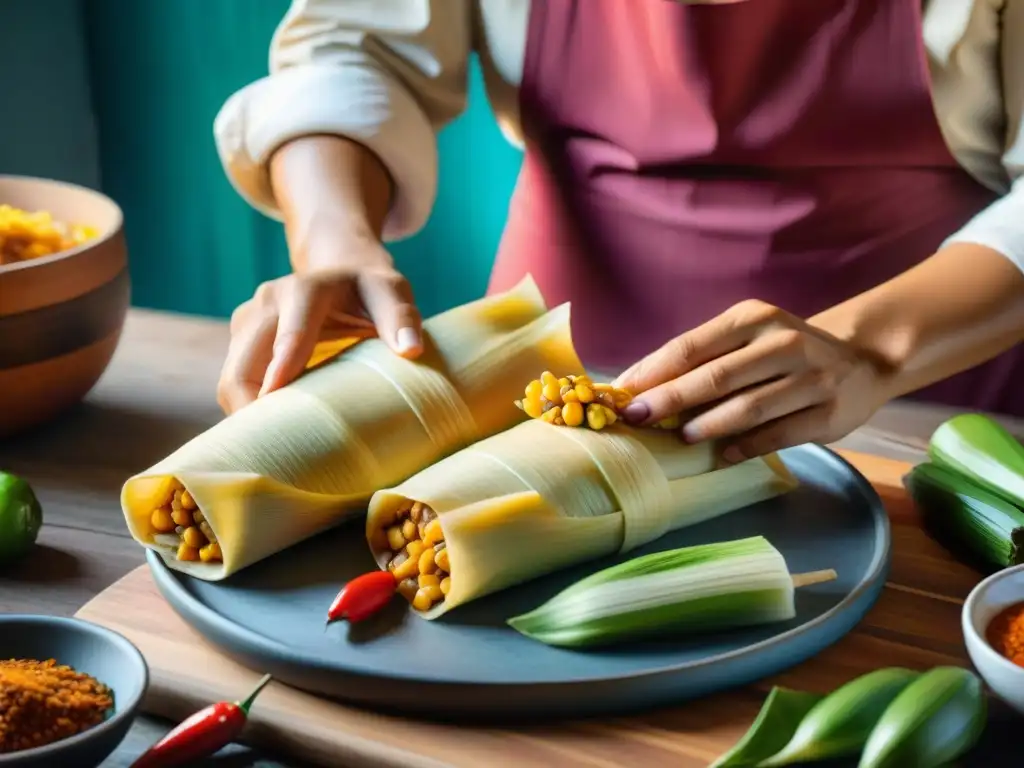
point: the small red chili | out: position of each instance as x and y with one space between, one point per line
202 734
363 596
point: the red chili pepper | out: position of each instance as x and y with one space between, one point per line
363 596
202 734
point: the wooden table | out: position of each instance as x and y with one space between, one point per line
158 393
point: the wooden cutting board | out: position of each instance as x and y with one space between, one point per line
916 624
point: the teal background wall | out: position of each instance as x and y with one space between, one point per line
160 70
47 125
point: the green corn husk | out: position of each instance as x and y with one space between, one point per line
840 724
966 517
701 588
775 725
980 449
933 721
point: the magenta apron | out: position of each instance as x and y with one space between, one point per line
682 158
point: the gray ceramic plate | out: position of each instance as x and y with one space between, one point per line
97 651
470 665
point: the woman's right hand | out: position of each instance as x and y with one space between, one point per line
274 333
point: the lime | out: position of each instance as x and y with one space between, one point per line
20 517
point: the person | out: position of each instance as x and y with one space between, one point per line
771 216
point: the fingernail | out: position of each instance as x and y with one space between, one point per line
636 412
407 339
733 455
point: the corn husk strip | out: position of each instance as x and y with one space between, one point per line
303 458
538 498
695 589
839 726
775 725
935 720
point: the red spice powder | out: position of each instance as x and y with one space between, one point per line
1005 633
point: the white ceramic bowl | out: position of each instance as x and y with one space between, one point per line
986 600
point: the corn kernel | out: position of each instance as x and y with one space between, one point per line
161 520
187 502
406 570
441 560
533 390
182 517
429 580
570 396
584 393
596 418
409 530
433 533
422 601
193 537
446 585
395 538
552 392
187 553
533 407
415 548
210 552
415 511
433 592
573 414
548 378
426 562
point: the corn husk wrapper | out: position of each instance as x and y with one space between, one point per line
538 498
305 457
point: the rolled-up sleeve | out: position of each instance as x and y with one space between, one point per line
1000 226
388 75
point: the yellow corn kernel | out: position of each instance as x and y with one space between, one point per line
395 538
610 415
187 553
533 390
422 601
429 580
210 552
407 588
407 570
415 548
193 537
426 562
176 499
553 416
433 533
198 517
596 418
409 530
621 398
573 414
552 392
182 517
187 502
433 592
533 407
161 520
570 396
441 560
446 585
548 378
584 393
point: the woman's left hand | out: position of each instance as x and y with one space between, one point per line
757 379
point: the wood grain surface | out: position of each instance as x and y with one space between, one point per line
158 392
916 623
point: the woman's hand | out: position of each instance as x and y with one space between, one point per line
274 333
758 379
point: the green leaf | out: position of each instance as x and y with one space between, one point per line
840 724
934 720
777 721
982 450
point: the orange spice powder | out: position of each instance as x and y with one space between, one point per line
1006 633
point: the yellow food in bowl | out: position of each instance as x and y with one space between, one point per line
25 235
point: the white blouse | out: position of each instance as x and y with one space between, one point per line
391 73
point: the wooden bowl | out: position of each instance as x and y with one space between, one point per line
61 315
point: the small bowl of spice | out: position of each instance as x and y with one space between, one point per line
69 691
993 626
